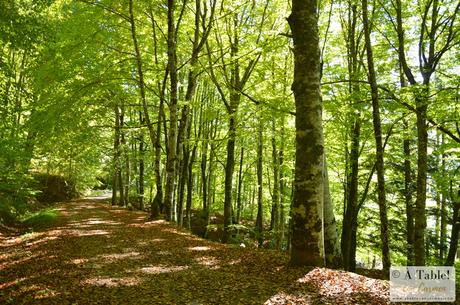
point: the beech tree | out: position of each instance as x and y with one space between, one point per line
307 228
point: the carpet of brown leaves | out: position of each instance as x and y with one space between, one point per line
98 254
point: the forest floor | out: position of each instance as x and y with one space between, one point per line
98 254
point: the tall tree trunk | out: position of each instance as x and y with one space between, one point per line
183 179
350 221
351 209
154 136
307 244
378 142
282 181
408 199
125 148
229 167
211 183
408 185
276 192
442 238
172 134
204 177
121 184
116 155
422 168
259 219
141 170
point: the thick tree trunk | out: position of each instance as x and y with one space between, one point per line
307 244
378 142
172 133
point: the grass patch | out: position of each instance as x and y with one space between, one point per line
41 219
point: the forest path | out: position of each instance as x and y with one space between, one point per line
100 254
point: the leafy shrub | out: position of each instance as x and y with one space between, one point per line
40 219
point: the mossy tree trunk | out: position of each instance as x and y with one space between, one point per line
307 244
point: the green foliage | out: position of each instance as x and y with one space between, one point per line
15 192
40 220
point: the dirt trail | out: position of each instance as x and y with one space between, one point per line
98 254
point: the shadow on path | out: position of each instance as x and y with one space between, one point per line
99 254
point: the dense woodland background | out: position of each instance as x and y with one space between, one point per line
185 109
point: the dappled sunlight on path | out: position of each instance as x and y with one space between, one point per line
99 254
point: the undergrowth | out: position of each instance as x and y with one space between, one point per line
40 219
